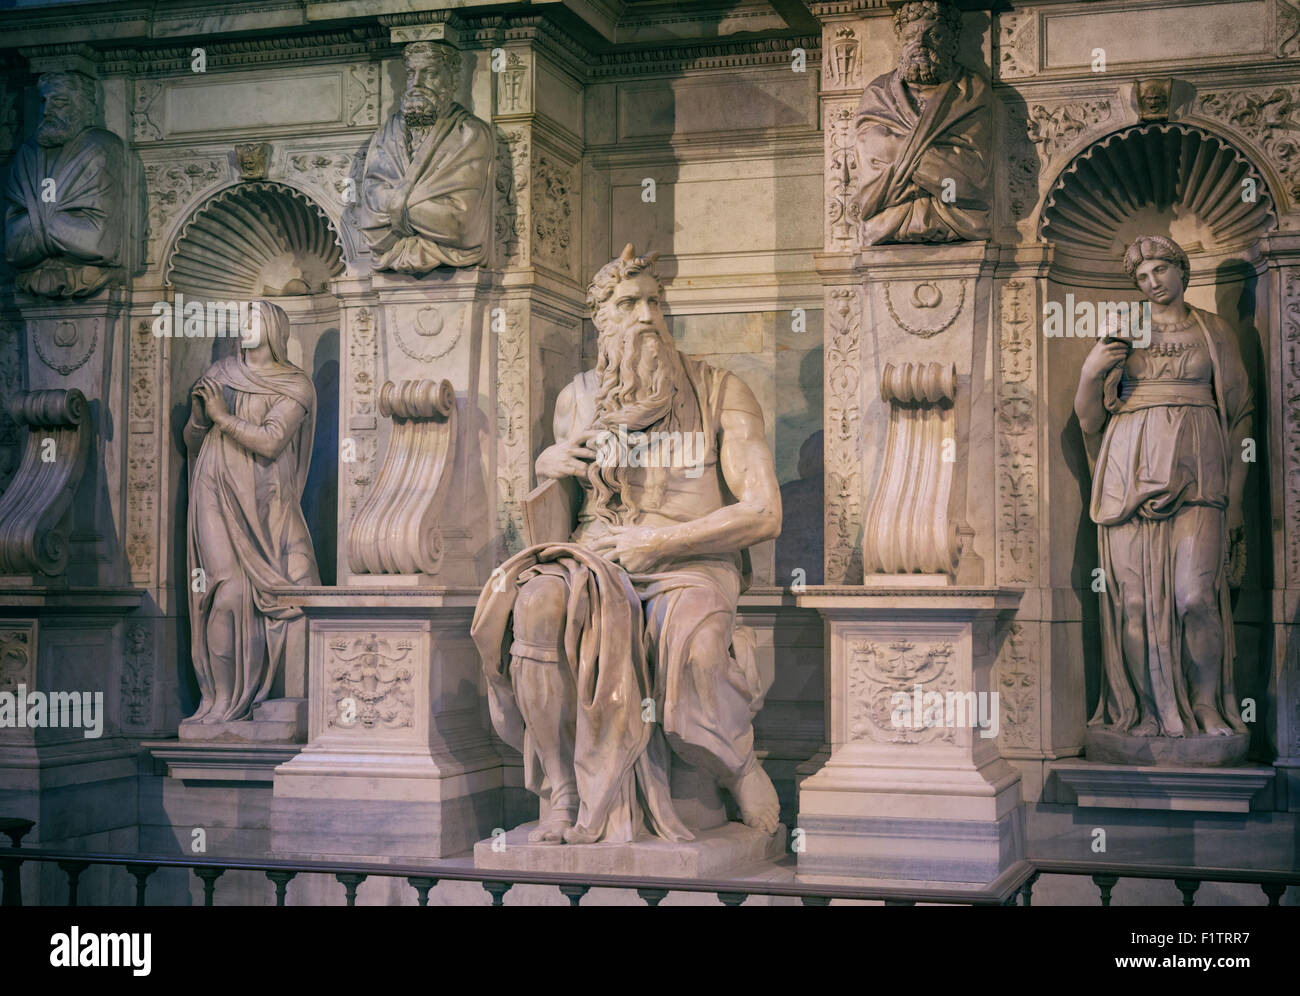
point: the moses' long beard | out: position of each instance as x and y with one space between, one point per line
636 397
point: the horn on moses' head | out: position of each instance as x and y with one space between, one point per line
629 253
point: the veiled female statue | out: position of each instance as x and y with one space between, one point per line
1167 501
249 438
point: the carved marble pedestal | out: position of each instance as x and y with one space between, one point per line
397 328
81 344
909 803
79 789
399 762
713 853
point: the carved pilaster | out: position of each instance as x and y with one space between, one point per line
843 436
143 470
514 457
1017 435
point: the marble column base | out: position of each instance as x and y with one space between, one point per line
713 853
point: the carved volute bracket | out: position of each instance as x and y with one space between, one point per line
56 444
399 528
908 530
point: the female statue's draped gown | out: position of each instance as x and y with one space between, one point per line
1160 500
246 529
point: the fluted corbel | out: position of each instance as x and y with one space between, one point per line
908 530
35 506
398 530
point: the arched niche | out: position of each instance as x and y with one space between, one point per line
266 240
1199 189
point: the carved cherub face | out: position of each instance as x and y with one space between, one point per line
1161 280
928 47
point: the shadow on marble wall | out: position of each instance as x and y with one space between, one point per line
320 497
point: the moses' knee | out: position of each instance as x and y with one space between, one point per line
539 617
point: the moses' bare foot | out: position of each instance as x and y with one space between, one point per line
551 830
759 806
1147 728
1211 722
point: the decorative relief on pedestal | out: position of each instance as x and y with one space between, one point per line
369 683
1017 687
17 657
1291 420
1017 437
362 354
879 671
1267 117
399 528
146 114
137 676
513 190
843 425
361 471
431 335
922 304
842 69
907 528
142 483
33 533
362 104
552 203
62 344
171 186
841 178
513 452
1017 44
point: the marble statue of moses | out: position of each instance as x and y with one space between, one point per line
614 649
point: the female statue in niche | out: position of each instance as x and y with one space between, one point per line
249 438
1166 497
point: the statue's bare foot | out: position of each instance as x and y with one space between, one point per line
551 830
1211 722
756 797
1147 728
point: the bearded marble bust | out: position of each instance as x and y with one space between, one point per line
426 197
64 216
923 135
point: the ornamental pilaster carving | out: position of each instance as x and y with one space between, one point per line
843 436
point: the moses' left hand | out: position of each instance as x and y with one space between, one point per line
636 549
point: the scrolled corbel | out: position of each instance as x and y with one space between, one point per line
33 509
398 530
907 529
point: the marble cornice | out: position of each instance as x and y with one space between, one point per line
711 55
